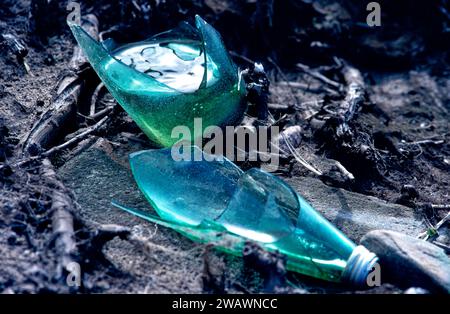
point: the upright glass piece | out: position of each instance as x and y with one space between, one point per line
216 202
170 79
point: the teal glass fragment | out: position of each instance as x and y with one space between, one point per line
170 79
216 202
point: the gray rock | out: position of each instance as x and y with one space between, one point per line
356 214
407 261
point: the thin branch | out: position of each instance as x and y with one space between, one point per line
344 171
319 76
94 98
77 138
296 155
246 59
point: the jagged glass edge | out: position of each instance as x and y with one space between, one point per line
194 150
206 232
208 36
99 53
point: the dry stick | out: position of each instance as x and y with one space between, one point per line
77 138
354 98
296 155
344 171
82 146
436 142
235 54
294 84
319 76
62 218
300 158
275 106
346 111
308 87
43 133
103 112
355 92
440 206
63 108
104 234
94 98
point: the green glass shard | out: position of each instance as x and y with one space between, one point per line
216 202
170 79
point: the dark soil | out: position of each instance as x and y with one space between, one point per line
397 146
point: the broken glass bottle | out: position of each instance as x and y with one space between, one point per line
170 79
216 202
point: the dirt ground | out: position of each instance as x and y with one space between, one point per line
398 149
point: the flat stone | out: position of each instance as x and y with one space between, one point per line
98 176
356 214
408 261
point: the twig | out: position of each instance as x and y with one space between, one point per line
274 106
63 108
440 206
82 146
354 98
344 171
435 142
62 218
308 87
94 98
102 112
294 134
77 138
246 59
319 76
294 84
105 233
296 155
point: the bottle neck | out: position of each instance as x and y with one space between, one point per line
359 265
